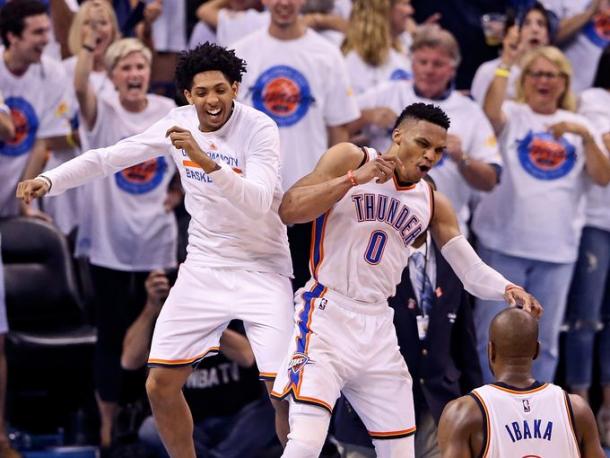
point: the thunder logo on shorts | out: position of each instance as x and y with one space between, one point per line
142 178
26 124
546 157
282 93
597 29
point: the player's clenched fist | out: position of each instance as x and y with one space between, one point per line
31 189
183 139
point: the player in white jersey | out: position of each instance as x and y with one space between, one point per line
517 416
368 209
238 263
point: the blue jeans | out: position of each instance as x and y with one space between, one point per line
588 310
549 283
244 434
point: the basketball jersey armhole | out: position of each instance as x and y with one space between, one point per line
365 159
485 442
431 203
571 418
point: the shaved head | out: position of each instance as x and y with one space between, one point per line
514 334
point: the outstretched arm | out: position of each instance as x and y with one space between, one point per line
586 429
478 278
336 172
460 429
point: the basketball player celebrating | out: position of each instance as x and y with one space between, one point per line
238 263
517 416
368 209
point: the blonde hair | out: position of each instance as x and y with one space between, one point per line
369 31
432 36
75 40
567 100
121 48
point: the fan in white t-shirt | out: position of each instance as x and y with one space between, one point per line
530 225
533 29
238 262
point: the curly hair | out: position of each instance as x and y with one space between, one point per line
369 31
208 57
424 112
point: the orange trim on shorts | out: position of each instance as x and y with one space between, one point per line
392 434
303 399
508 390
488 438
308 335
182 362
267 375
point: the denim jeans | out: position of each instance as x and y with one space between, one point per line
549 283
236 436
588 310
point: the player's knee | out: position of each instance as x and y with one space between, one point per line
403 447
164 383
308 429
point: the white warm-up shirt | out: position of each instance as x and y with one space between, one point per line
303 86
39 105
537 211
234 25
234 219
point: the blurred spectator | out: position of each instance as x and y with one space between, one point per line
169 28
232 415
233 19
438 357
588 308
298 79
583 34
550 155
471 161
532 30
127 228
35 90
6 451
370 54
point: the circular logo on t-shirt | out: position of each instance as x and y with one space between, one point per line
143 177
597 29
26 124
283 93
400 74
546 157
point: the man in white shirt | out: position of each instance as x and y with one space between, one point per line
299 79
238 262
35 90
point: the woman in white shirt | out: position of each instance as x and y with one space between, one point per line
529 226
127 227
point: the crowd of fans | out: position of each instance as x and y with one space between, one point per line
526 169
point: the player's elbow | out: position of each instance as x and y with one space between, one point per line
288 211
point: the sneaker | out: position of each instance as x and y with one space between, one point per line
603 423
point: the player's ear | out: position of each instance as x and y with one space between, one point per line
235 88
188 96
397 135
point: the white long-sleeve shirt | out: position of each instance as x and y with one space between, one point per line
235 223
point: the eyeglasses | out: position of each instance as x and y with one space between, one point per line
552 76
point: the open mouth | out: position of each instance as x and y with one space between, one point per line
535 42
424 168
134 85
214 114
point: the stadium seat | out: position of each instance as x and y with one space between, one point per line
50 345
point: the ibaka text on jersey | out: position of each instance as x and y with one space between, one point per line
379 207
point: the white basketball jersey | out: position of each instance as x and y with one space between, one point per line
361 245
536 422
